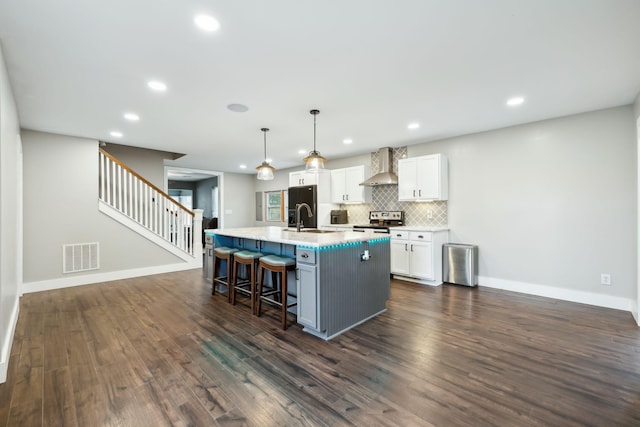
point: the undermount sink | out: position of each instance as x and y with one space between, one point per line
311 230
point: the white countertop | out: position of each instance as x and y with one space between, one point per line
400 227
418 228
284 235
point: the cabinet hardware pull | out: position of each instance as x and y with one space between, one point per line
304 255
405 247
419 193
412 247
414 193
420 237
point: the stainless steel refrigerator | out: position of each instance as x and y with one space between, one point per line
303 194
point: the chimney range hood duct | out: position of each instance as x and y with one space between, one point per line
384 176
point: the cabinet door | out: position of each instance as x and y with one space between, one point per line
421 254
307 296
407 179
353 190
302 178
400 257
428 177
338 191
295 178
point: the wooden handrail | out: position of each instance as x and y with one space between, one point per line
134 173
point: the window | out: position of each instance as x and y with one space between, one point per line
184 197
275 205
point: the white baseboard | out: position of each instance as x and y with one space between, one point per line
591 298
88 279
634 312
8 341
420 281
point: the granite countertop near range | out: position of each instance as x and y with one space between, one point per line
293 237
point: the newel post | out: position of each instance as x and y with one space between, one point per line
197 235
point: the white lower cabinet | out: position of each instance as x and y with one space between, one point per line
307 295
418 254
400 262
421 259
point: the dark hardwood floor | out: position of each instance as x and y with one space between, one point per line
160 350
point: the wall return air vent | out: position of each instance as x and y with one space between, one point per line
80 257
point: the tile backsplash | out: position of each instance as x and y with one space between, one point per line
385 197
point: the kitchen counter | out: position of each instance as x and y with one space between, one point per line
418 228
293 237
342 277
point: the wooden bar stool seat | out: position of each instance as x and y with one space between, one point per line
245 286
278 266
219 254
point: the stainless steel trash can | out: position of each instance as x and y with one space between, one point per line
460 264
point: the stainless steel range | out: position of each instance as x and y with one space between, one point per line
380 221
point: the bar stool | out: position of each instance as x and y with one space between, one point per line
246 286
219 254
277 265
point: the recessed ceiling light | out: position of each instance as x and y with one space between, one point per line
132 117
413 125
156 85
515 101
347 141
238 108
116 134
206 23
243 166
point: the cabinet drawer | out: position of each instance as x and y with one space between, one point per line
307 256
421 236
400 235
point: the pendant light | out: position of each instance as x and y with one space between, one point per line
314 160
265 170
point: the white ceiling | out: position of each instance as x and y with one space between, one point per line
370 67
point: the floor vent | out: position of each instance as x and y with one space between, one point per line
80 257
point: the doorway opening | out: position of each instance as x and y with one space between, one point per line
203 188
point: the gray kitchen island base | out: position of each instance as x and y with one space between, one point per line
324 336
342 279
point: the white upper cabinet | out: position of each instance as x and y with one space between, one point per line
345 185
321 178
423 178
299 178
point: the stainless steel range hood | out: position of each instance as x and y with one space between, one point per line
384 176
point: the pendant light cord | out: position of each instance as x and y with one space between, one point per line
315 114
264 130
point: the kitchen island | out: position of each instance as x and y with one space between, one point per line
342 277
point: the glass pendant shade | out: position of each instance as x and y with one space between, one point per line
314 160
265 170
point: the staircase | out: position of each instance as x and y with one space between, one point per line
133 201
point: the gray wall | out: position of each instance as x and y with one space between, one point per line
549 203
10 214
238 198
147 163
61 206
202 195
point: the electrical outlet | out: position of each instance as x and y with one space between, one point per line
430 214
605 279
